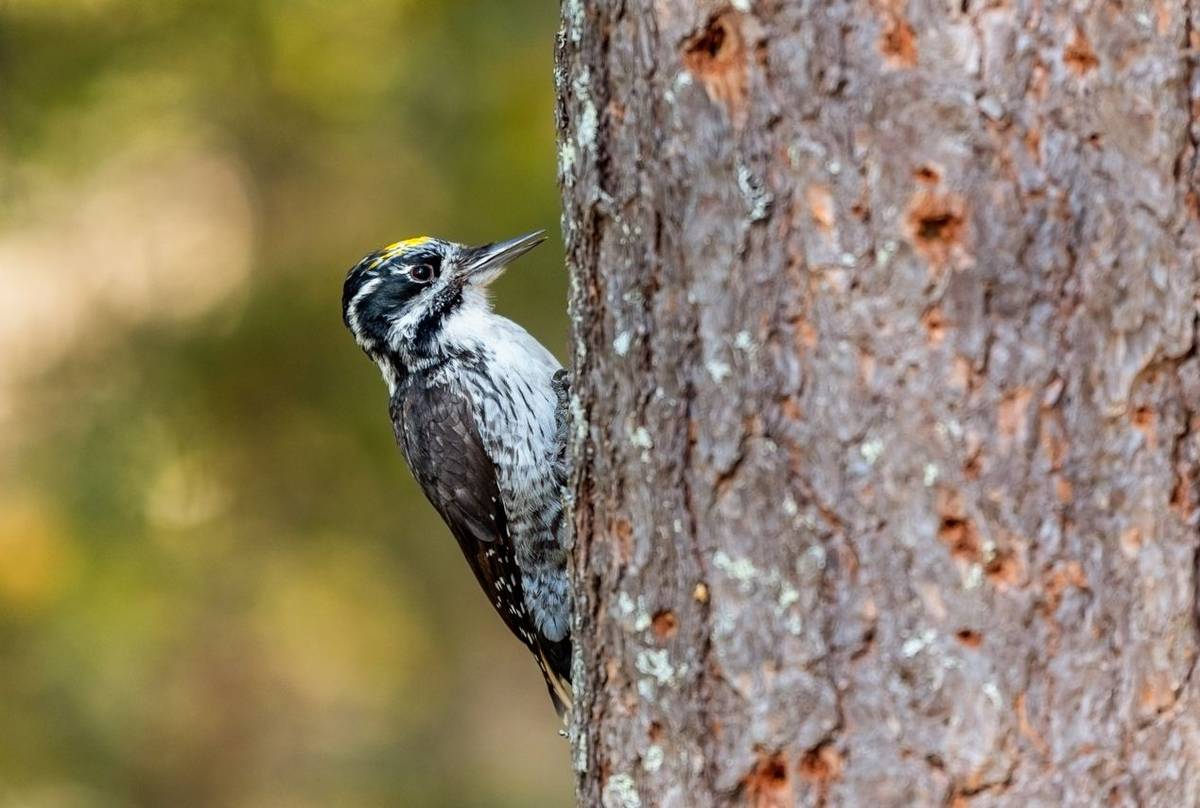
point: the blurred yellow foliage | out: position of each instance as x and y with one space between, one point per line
37 557
218 584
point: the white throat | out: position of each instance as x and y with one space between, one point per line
467 326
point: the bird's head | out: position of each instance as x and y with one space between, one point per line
397 300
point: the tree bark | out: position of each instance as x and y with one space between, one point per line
886 463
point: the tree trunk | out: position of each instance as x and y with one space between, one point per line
886 463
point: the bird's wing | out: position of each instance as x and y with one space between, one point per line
441 441
437 431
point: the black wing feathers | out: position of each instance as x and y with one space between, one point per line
446 455
436 429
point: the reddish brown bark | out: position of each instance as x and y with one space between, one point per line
886 482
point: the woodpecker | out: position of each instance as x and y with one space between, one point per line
478 407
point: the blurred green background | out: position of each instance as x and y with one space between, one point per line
218 584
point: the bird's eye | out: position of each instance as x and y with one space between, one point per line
422 273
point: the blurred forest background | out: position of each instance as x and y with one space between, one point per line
218 584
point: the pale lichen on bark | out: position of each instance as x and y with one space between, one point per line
886 472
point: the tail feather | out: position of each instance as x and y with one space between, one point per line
560 694
554 658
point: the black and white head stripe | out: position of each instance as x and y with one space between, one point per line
399 300
384 285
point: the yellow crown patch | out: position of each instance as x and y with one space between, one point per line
398 248
407 244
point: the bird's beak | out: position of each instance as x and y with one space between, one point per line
483 265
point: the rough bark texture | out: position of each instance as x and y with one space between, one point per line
886 483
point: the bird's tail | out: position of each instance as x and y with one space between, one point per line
555 661
560 693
